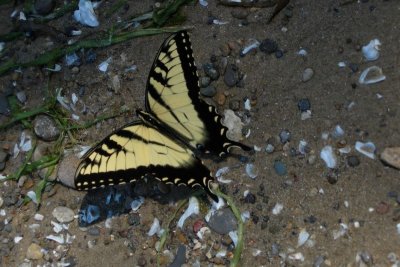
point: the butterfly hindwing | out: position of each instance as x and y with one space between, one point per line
137 150
173 98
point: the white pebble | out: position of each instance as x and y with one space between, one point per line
303 237
371 50
277 209
328 156
367 149
63 214
193 208
38 217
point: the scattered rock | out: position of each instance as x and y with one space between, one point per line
268 46
46 128
63 214
353 161
34 252
180 257
285 136
304 104
21 96
223 221
44 7
211 71
204 81
231 77
240 13
391 156
308 73
3 159
208 91
280 168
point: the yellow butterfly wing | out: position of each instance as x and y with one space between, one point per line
173 98
137 150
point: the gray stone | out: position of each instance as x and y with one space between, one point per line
34 252
223 221
46 128
231 76
63 214
308 73
391 156
208 91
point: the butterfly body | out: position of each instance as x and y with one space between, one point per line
176 126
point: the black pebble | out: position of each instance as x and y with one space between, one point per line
304 104
353 67
353 161
278 53
90 56
211 71
250 198
133 219
268 46
285 136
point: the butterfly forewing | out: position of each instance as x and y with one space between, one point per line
173 98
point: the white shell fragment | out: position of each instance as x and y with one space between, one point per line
137 203
32 196
85 14
58 238
220 175
302 52
367 149
193 208
155 228
234 236
371 50
103 66
203 3
303 237
251 170
277 209
17 239
57 68
247 104
296 256
328 156
253 45
303 146
371 75
338 131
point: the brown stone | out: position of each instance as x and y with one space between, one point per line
391 156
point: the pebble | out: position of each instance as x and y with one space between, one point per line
391 156
21 96
308 73
234 105
46 128
63 214
204 81
353 161
304 104
90 56
180 257
268 46
34 252
223 221
211 71
44 7
240 13
280 168
4 105
279 53
93 231
231 77
270 148
250 198
208 91
133 219
221 98
75 70
3 159
285 136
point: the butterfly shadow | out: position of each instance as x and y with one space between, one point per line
103 203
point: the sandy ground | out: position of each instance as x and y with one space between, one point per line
330 33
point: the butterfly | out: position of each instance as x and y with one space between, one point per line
174 129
